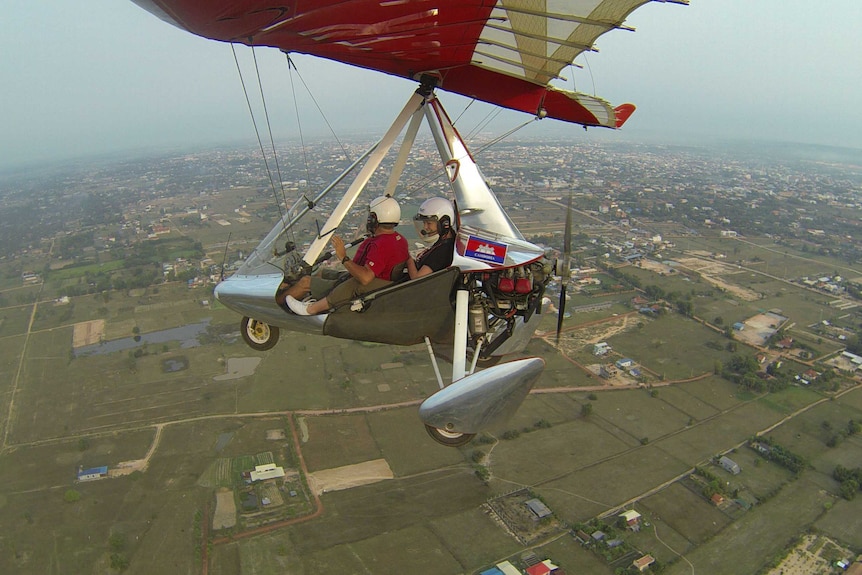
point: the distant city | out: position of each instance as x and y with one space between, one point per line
632 198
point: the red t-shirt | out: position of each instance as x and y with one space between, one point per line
382 253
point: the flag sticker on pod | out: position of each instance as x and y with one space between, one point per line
486 250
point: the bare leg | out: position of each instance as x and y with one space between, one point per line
319 306
300 289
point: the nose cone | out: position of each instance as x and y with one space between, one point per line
250 295
483 399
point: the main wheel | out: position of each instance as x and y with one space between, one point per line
449 438
487 362
258 335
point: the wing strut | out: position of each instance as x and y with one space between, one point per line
565 268
414 104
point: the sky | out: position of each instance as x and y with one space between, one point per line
97 77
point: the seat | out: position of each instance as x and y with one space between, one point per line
400 314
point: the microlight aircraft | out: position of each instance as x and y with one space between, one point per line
488 303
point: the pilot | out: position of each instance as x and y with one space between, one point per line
435 224
370 269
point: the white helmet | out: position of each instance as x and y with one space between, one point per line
383 210
438 210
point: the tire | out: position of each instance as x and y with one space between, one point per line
489 361
258 335
448 438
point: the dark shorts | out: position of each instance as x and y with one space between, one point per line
340 291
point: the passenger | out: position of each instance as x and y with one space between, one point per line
434 222
372 266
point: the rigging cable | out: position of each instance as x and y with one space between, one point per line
590 69
257 133
291 63
290 67
489 117
464 111
268 126
422 180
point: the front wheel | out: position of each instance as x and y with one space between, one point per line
449 438
258 335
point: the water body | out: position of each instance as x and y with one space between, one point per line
187 335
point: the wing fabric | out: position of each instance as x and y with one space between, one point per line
506 52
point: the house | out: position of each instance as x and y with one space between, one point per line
93 473
739 326
624 363
810 374
601 348
644 562
717 499
507 568
266 471
632 519
539 509
598 535
608 371
539 568
729 465
785 343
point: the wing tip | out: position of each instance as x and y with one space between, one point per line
622 113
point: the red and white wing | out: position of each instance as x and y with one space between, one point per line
506 52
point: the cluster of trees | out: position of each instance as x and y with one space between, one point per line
853 427
514 433
714 484
743 370
781 455
850 480
682 302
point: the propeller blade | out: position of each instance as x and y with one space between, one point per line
561 311
565 268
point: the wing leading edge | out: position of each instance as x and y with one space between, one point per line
506 52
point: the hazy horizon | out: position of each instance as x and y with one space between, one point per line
100 77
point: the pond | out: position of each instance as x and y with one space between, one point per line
187 335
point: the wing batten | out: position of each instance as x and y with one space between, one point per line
505 52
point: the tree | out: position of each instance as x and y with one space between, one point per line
119 562
848 489
586 409
71 496
117 541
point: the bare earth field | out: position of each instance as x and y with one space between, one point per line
88 332
349 476
710 270
225 511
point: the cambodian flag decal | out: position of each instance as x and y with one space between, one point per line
486 250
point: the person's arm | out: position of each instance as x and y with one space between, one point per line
363 274
416 273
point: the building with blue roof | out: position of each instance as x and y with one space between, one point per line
93 473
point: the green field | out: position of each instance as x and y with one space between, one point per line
72 412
